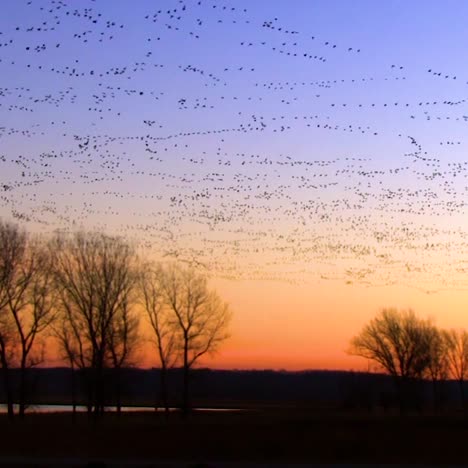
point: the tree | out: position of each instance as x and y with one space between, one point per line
95 275
162 323
26 306
457 355
123 340
69 351
399 342
199 317
438 366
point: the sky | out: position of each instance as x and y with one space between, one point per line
310 157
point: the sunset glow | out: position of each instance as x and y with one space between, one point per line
309 157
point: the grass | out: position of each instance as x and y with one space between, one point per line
269 435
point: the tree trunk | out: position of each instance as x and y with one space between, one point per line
99 398
164 392
8 390
404 393
399 389
462 393
119 392
73 392
185 398
435 394
22 389
90 390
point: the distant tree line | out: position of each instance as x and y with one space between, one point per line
411 349
91 294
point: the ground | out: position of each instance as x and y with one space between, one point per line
268 436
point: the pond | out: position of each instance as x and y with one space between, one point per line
126 409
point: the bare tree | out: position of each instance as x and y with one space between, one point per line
200 318
438 366
69 351
95 274
26 306
123 341
399 342
161 320
457 355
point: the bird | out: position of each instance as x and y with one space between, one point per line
137 122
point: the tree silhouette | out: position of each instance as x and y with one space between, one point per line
199 317
457 355
123 340
399 342
26 306
438 366
162 323
96 277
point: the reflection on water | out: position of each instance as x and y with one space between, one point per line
125 409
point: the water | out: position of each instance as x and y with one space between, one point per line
42 409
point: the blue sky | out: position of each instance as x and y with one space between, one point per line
205 139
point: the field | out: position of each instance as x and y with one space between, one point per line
273 435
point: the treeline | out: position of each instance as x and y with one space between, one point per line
412 349
91 293
256 389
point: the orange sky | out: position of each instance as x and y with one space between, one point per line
282 326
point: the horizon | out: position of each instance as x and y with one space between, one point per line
309 158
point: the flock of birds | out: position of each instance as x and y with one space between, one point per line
158 123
